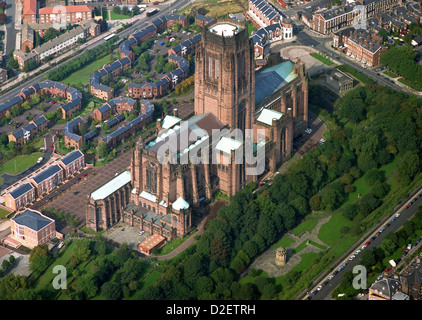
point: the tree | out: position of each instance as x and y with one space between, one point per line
315 202
5 265
111 290
87 285
39 258
350 211
408 166
102 150
384 34
374 175
367 258
82 250
131 271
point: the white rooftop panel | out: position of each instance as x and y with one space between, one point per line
111 186
267 116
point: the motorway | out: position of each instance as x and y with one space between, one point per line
165 8
405 214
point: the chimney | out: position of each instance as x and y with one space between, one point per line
159 125
175 112
366 42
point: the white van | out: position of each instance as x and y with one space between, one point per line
39 160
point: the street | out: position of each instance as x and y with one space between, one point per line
405 214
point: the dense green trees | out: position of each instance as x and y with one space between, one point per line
401 60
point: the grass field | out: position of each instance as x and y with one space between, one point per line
3 213
20 163
117 16
82 76
409 84
283 242
216 9
172 245
322 59
391 75
308 225
355 73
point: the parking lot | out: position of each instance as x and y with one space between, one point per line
29 115
72 197
123 233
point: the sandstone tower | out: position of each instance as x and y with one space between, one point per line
225 74
280 257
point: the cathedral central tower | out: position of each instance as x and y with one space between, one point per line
225 74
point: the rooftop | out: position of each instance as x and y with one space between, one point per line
269 80
32 220
225 28
111 186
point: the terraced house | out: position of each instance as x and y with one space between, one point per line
72 163
48 179
20 197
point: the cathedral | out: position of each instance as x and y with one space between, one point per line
236 109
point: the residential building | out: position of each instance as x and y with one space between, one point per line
72 163
384 288
411 279
20 197
48 179
65 14
3 75
32 228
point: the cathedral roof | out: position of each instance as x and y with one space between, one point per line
273 78
180 204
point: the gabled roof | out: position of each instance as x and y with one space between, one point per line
72 156
22 189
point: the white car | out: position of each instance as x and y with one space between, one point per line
397 215
319 288
330 277
358 251
352 257
363 247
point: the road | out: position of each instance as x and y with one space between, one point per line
10 26
139 24
405 214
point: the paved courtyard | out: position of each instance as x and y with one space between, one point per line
21 264
123 233
75 204
313 66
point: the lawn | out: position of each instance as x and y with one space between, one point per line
300 247
409 84
215 8
3 213
322 59
355 73
147 282
390 74
20 163
330 234
172 245
118 16
308 225
82 76
48 276
283 242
